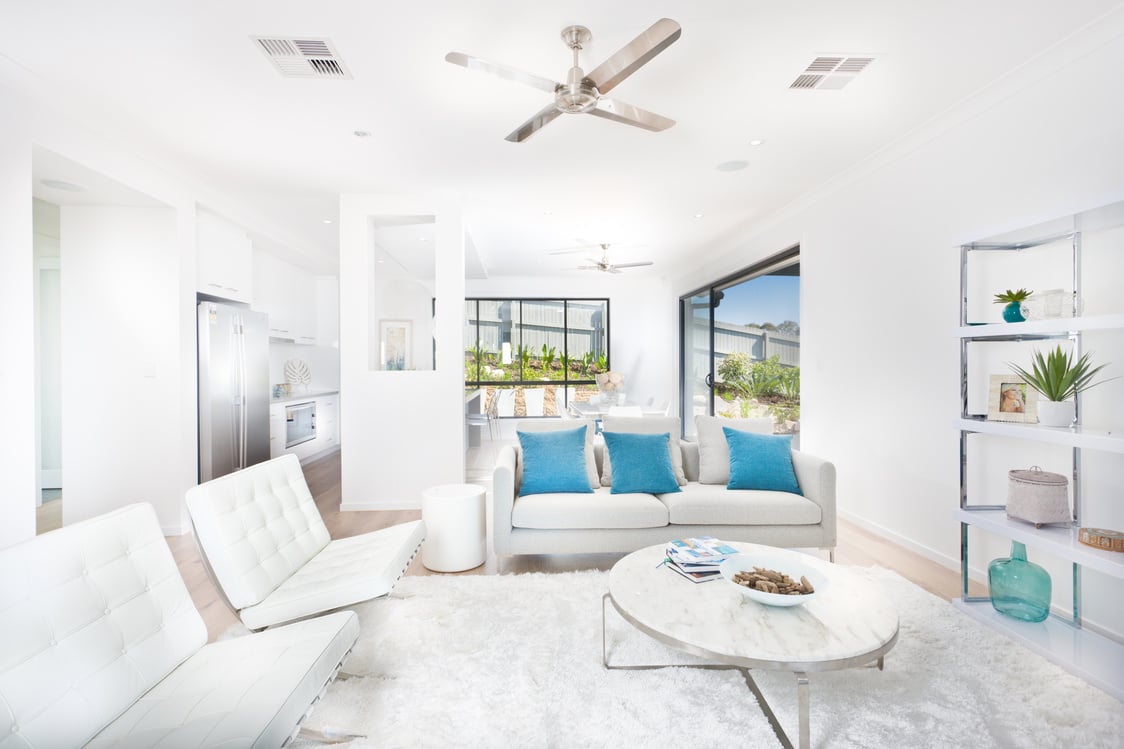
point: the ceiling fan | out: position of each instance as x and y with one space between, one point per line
603 264
586 93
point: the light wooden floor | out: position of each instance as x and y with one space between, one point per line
856 546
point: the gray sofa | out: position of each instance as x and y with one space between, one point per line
572 523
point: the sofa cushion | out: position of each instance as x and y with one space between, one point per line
645 425
554 461
92 616
761 461
643 463
551 425
602 509
257 527
708 504
714 452
250 691
347 570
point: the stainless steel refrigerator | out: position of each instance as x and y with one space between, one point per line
233 389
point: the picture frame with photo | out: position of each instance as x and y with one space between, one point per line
395 345
1010 398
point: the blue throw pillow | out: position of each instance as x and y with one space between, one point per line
554 462
641 463
761 461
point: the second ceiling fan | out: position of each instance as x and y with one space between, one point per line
583 93
603 265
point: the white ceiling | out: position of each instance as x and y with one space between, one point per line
183 80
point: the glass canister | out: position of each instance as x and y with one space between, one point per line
1018 588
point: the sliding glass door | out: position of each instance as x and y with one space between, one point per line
741 346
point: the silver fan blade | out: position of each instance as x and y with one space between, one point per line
588 267
502 71
628 59
612 269
572 250
618 111
631 265
528 128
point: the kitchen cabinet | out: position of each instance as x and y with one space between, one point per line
328 311
327 427
224 259
327 416
276 430
288 295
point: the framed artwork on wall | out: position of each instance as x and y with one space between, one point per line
1010 399
395 337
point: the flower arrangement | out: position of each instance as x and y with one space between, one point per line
609 382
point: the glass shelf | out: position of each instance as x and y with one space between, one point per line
1057 540
1078 436
1093 657
1054 327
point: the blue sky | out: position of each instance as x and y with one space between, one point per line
763 299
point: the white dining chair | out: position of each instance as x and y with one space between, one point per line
487 418
533 400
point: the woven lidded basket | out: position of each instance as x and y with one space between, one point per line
1038 496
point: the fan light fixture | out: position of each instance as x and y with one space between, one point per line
586 93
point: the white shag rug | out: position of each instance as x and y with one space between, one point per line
515 661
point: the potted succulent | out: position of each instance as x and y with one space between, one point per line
1013 311
1058 378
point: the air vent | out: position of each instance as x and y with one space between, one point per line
830 72
306 57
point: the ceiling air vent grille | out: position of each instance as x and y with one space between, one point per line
830 72
306 57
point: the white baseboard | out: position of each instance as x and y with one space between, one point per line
975 573
932 555
370 506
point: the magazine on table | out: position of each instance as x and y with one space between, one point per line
698 559
696 553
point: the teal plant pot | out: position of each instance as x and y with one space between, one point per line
1018 588
1013 312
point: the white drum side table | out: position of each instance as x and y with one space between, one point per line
454 527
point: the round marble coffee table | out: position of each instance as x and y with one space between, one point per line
849 623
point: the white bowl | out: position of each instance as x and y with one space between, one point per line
786 565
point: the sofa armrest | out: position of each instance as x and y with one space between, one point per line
816 477
503 499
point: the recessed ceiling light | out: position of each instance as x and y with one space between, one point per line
699 215
423 239
326 220
732 166
362 133
59 184
756 142
379 261
548 213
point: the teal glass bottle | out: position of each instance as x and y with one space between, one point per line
1013 312
1018 588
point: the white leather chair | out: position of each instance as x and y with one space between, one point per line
102 647
264 543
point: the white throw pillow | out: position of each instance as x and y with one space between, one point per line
714 453
555 425
645 425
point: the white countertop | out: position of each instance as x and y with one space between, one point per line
303 395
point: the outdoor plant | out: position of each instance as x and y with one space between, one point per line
734 367
1008 296
1057 376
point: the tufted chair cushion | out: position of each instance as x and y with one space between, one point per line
91 617
257 526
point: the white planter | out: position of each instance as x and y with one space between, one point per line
1055 413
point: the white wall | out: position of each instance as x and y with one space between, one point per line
882 255
322 361
120 309
18 464
643 322
402 431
